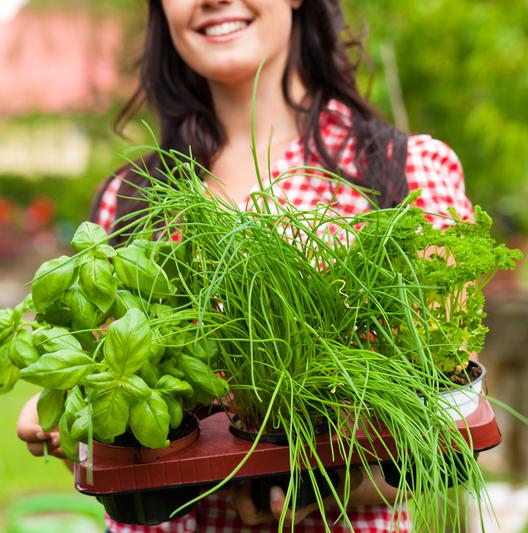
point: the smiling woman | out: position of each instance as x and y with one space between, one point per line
197 73
226 43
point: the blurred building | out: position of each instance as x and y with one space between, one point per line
53 60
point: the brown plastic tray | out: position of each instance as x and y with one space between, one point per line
216 452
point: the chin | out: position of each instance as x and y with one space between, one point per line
231 72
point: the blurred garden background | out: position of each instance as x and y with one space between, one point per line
456 69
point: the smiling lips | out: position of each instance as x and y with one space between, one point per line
223 29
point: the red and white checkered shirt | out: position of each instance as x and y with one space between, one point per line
432 167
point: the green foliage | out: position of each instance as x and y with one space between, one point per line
134 370
463 68
316 315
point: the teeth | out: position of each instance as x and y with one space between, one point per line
225 28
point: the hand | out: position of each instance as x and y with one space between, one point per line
251 516
29 430
277 501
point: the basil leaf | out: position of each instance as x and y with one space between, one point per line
136 271
97 281
127 343
136 388
175 407
52 280
157 347
87 341
201 376
7 324
88 234
9 373
22 351
25 305
124 301
79 428
59 370
161 310
57 314
110 413
169 368
68 443
150 420
73 404
104 251
101 381
204 349
172 385
149 247
55 339
85 314
149 373
50 407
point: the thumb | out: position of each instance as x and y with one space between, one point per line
277 499
31 433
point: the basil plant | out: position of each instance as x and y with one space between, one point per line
114 342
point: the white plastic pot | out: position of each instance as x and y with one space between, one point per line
459 403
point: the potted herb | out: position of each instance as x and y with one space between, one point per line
345 321
115 369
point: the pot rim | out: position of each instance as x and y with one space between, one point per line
469 385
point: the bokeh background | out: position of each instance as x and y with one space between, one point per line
457 69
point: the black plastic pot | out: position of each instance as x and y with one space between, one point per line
391 472
260 486
147 508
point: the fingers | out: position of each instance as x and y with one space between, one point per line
37 450
31 432
35 443
243 503
277 503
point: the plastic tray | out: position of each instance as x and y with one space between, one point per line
217 452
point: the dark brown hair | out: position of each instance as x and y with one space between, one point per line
182 100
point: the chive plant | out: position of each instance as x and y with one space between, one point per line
349 321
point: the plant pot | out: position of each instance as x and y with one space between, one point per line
260 486
391 472
149 507
152 506
459 403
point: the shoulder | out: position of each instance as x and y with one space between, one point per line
104 205
433 167
119 189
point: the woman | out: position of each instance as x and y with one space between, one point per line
197 73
